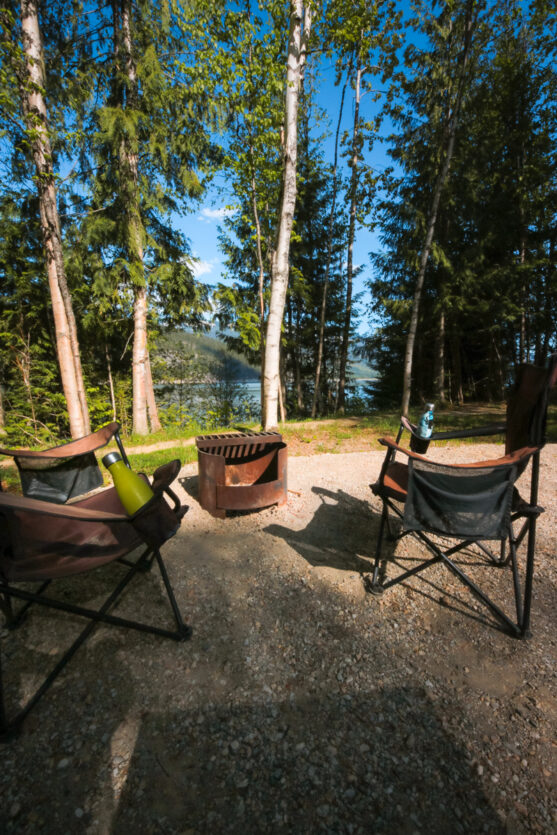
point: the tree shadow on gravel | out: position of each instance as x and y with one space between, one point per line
323 764
342 533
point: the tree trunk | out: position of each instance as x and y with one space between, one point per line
323 311
143 397
297 345
261 284
2 411
439 377
152 408
450 131
139 363
351 234
259 250
34 107
110 381
457 368
297 46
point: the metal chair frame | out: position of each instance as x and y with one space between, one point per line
521 626
531 431
149 554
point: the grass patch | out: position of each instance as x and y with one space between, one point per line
147 462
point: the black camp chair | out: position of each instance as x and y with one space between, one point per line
43 539
473 503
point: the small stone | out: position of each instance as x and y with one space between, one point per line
79 812
64 762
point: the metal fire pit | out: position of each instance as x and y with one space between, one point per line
241 471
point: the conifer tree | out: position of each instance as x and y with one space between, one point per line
29 67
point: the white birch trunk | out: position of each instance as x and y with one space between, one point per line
34 106
297 46
141 378
152 407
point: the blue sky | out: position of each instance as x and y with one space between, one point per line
201 227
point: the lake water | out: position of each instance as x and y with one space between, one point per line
223 403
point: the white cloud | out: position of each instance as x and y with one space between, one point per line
208 215
200 268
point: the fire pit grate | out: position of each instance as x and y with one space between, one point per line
241 471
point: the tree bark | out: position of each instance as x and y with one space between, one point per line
143 396
297 46
350 255
110 381
2 411
152 408
458 394
34 106
450 132
439 377
139 363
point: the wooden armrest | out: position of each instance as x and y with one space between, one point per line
392 444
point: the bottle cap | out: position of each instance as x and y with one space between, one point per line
111 458
429 407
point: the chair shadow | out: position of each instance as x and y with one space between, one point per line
342 533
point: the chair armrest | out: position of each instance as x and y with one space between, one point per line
81 446
474 432
519 456
14 502
394 446
165 475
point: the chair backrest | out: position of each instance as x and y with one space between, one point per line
63 472
465 502
527 406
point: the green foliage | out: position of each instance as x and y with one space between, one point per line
490 290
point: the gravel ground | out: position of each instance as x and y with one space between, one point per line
302 703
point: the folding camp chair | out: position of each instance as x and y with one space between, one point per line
474 503
43 539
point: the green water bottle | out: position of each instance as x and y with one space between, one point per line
132 490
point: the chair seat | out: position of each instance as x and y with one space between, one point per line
46 548
395 482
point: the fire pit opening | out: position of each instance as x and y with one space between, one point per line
241 471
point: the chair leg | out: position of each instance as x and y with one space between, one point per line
7 609
375 586
8 729
3 717
183 630
14 619
528 583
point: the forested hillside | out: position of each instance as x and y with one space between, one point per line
438 135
